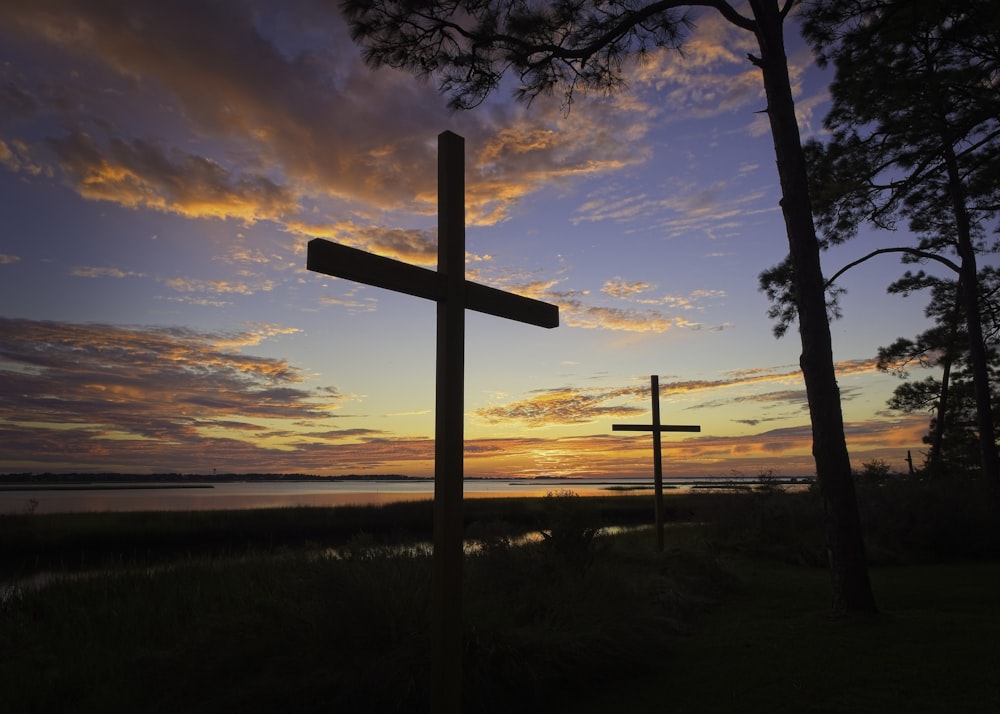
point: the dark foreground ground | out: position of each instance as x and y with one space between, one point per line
773 647
256 612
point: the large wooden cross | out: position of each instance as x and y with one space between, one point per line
453 295
657 429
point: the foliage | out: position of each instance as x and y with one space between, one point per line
913 83
471 44
568 528
950 398
913 91
915 125
875 470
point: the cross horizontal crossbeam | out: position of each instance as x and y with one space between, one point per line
352 264
655 427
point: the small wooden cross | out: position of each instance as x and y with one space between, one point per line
453 295
657 429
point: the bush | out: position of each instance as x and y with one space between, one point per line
569 529
874 471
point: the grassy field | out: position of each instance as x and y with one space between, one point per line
255 613
774 648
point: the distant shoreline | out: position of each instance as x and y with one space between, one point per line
119 486
14 483
178 480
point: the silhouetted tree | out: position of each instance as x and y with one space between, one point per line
951 397
583 44
916 137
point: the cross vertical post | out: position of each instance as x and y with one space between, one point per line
657 429
449 433
654 388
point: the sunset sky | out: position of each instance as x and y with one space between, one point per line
163 165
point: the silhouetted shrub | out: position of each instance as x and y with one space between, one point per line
569 528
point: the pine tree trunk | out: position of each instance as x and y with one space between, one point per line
937 437
974 324
848 563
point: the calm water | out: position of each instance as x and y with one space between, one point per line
264 494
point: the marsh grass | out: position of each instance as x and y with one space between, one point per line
84 541
305 632
254 612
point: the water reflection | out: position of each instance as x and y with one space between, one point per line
274 494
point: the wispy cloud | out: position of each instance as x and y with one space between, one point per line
85 271
712 77
681 209
352 304
218 287
158 388
560 407
565 405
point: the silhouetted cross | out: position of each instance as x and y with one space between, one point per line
657 429
453 294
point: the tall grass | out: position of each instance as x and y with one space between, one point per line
310 632
29 542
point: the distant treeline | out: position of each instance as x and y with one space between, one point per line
90 477
75 478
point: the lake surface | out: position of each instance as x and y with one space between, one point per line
266 494
194 496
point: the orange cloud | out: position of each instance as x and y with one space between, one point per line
142 174
266 129
418 247
618 288
559 406
565 405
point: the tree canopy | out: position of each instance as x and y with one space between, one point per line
915 124
915 81
949 395
469 45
